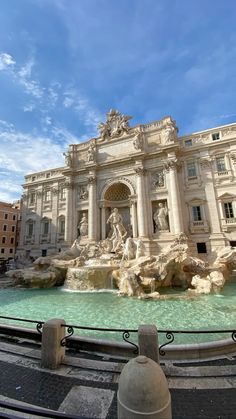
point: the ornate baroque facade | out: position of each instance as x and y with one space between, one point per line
161 184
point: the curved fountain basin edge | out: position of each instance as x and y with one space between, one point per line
180 352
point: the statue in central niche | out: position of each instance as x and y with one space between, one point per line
118 231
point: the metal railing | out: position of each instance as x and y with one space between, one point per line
39 323
170 335
125 333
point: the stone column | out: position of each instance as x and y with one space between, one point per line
92 216
69 212
216 237
39 204
134 219
103 222
174 196
53 226
141 203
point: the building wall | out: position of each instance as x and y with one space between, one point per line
9 215
192 176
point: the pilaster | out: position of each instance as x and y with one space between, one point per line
92 216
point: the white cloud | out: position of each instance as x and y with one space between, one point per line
68 102
29 108
6 61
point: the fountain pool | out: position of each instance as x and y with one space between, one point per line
106 309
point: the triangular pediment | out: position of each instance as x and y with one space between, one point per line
226 195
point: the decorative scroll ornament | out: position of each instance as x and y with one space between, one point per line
68 185
55 191
171 164
158 180
140 171
115 125
91 180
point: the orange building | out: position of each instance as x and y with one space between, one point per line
9 229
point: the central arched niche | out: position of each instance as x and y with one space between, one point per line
117 196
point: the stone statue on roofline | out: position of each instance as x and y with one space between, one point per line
115 125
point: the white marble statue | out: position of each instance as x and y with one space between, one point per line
83 225
160 218
68 159
115 125
170 133
118 231
91 153
129 249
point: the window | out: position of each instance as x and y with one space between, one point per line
44 252
197 213
13 229
220 164
232 243
201 248
45 228
5 216
228 208
32 198
5 227
47 195
191 168
63 193
188 143
11 250
2 250
14 217
62 226
3 239
30 229
12 240
215 136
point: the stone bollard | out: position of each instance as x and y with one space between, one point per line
52 353
148 341
143 391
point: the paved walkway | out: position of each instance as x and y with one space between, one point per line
87 387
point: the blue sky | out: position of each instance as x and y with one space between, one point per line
65 63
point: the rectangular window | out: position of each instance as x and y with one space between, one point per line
191 168
44 252
215 136
232 243
5 227
13 229
11 250
5 216
46 228
32 198
220 164
12 240
47 195
30 229
14 217
188 143
2 250
228 208
201 248
3 240
197 213
62 227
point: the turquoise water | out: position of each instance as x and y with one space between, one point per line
107 310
